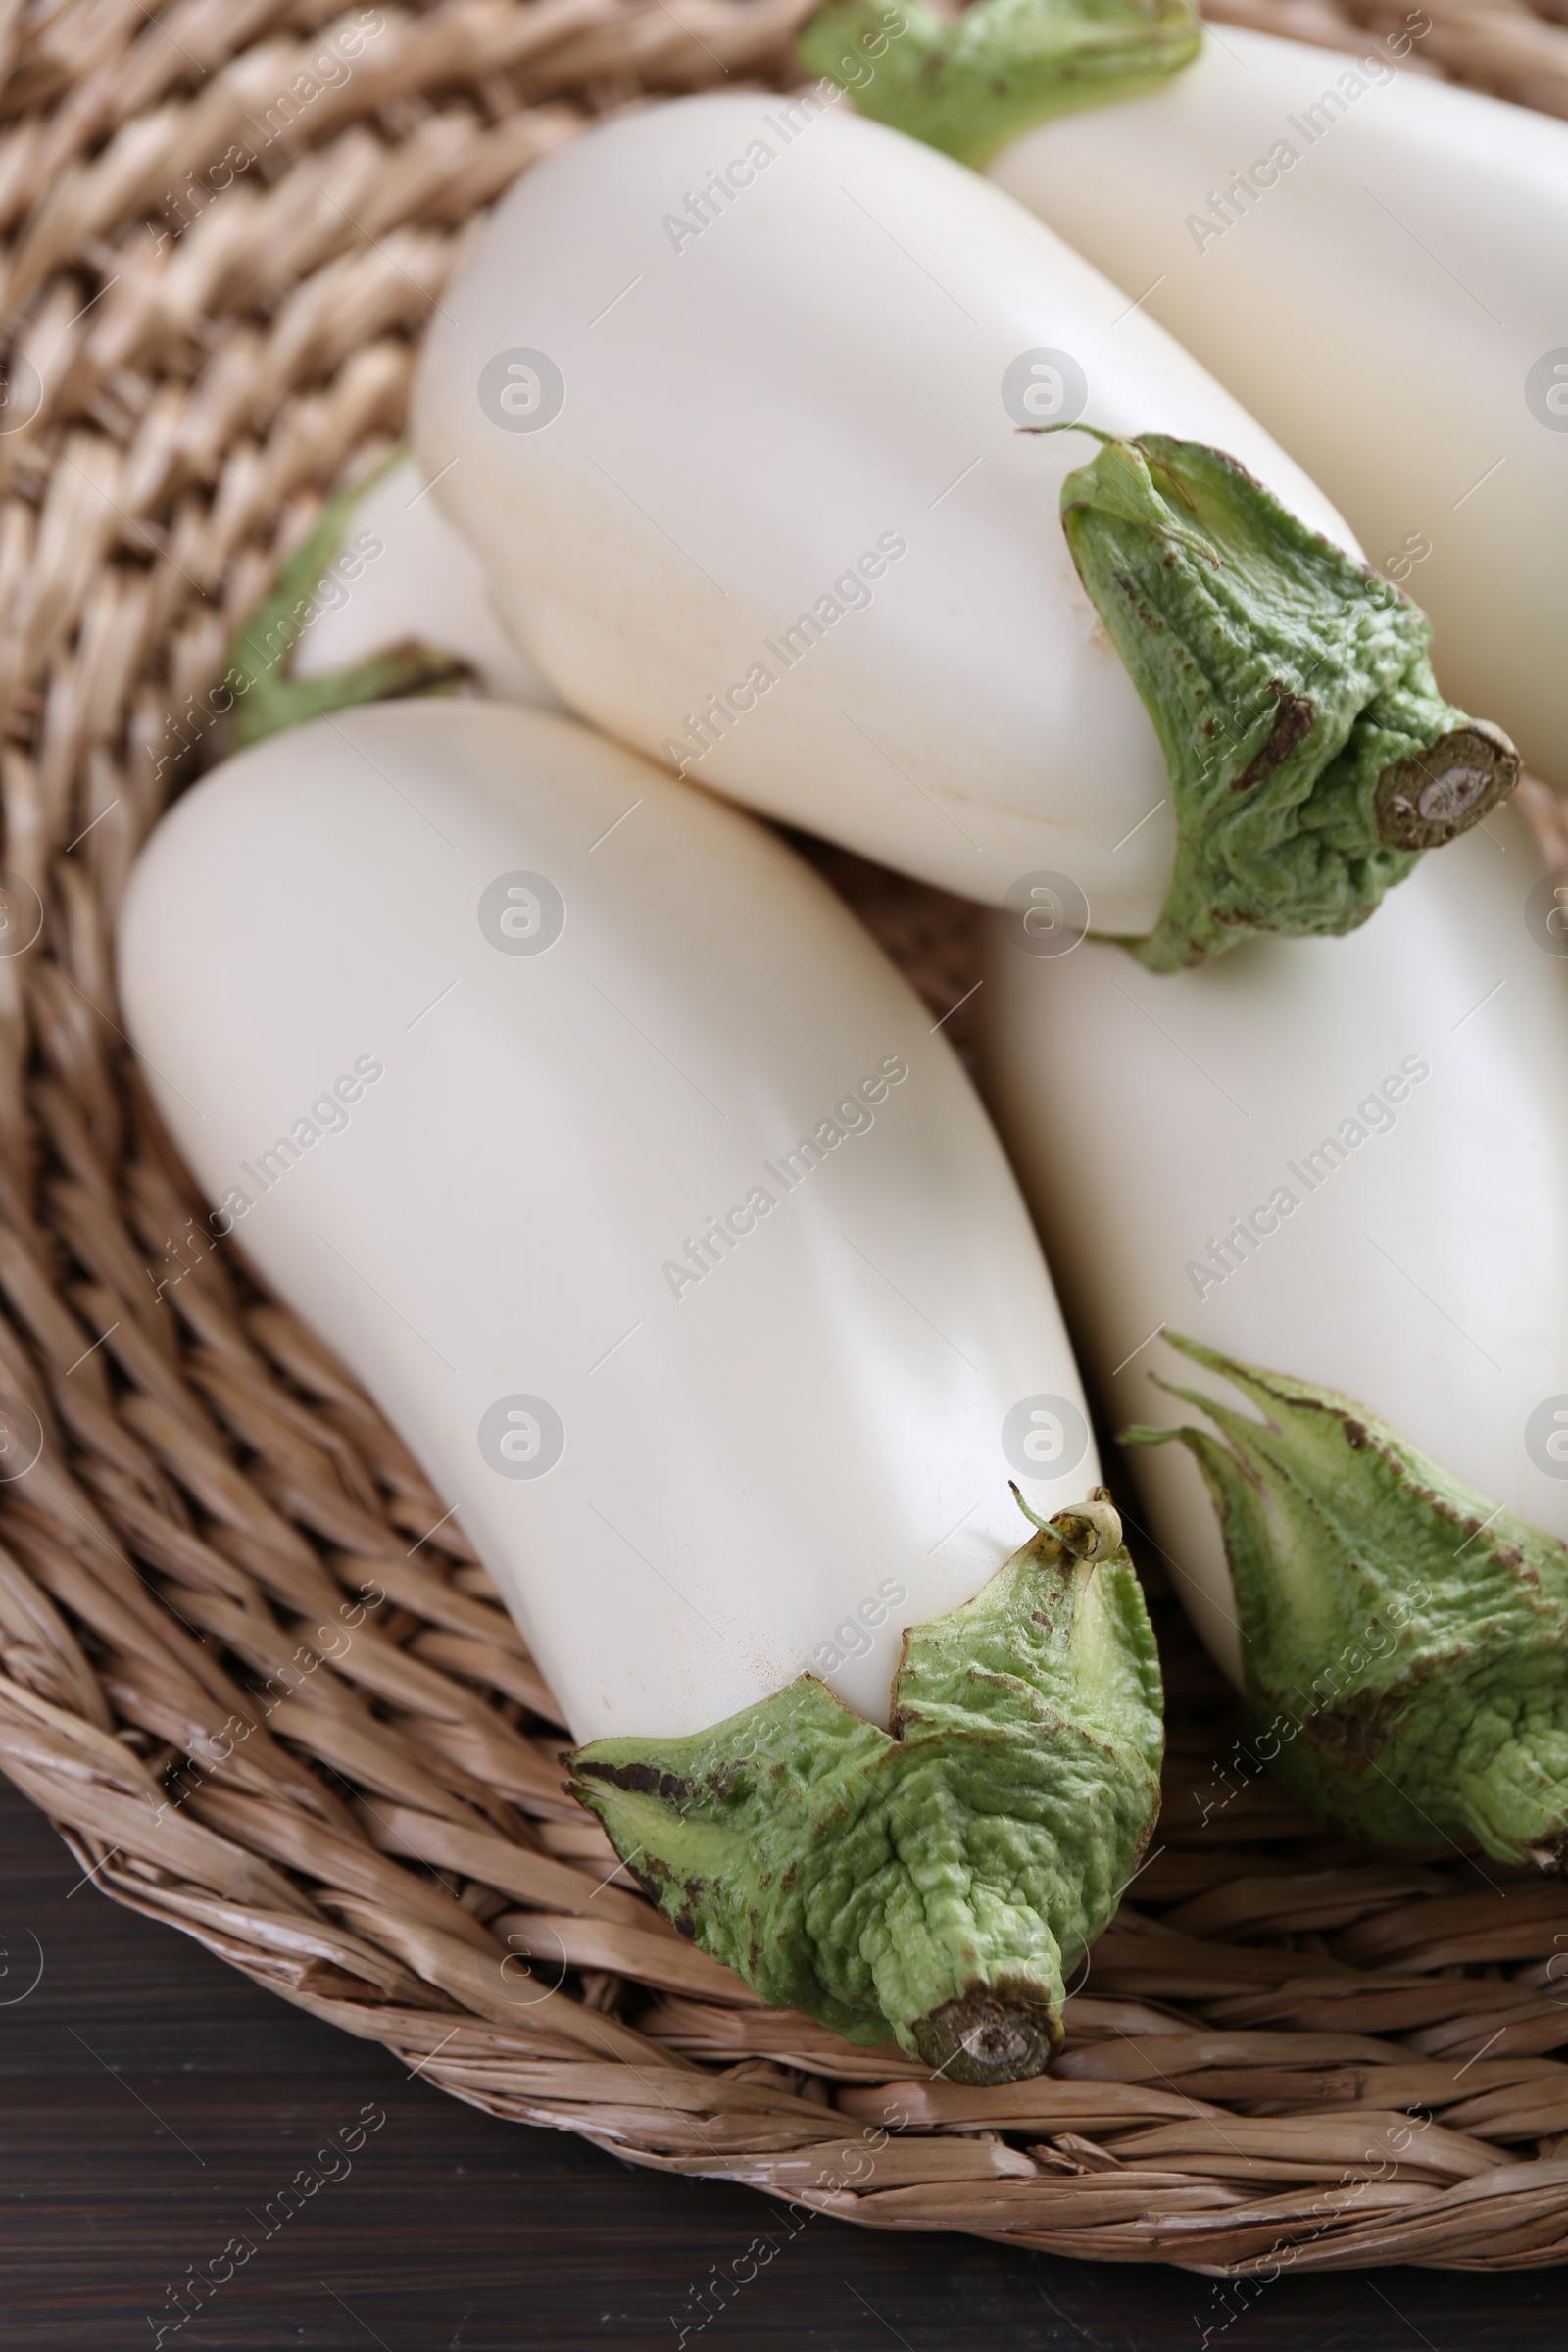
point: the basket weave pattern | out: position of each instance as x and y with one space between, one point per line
248 1662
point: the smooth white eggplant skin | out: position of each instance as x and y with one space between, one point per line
1422 1270
776 1466
1385 299
798 411
405 574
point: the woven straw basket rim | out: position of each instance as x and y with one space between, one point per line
247 1663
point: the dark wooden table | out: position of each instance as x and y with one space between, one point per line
156 2105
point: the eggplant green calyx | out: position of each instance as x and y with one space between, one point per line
971 84
928 1884
267 699
1311 757
1406 1640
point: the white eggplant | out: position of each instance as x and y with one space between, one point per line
1348 1165
595 1135
728 398
1373 262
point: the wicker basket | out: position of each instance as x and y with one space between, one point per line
1287 2051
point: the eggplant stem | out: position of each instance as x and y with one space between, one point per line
267 700
970 84
921 1883
1406 1640
1310 755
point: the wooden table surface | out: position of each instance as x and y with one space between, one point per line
157 2104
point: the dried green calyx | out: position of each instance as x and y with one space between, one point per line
973 83
930 1884
1405 1641
266 698
1311 757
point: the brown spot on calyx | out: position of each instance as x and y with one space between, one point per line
1357 1730
1354 1434
639 1780
1294 720
1355 1733
1135 597
651 1880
